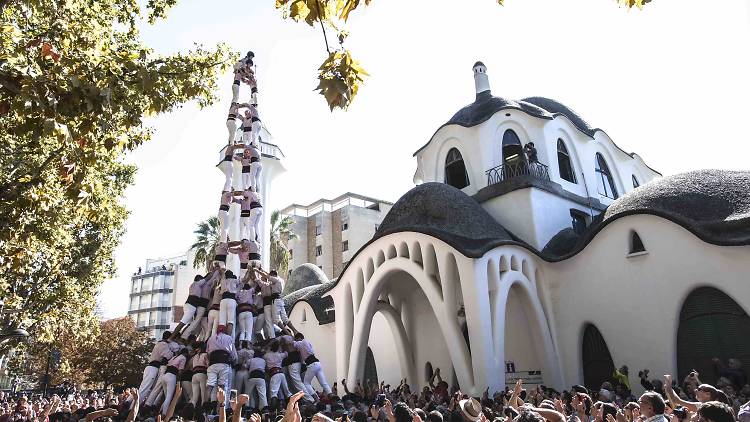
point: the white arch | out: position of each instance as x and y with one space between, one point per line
457 349
442 154
403 345
552 369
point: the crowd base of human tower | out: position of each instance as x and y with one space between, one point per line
235 337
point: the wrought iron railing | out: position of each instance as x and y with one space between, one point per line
522 168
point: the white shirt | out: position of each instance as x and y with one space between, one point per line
161 350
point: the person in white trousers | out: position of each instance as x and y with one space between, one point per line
251 212
225 202
213 312
225 165
260 321
193 305
160 354
274 357
275 286
245 312
314 369
255 166
228 284
294 364
221 356
199 363
256 382
232 123
200 314
168 381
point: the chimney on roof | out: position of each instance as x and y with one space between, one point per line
481 80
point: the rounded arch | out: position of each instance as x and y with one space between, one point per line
596 360
497 146
450 331
571 144
565 167
605 179
604 150
711 325
447 146
542 336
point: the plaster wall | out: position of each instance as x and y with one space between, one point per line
321 336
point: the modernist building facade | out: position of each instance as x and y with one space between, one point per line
329 232
553 264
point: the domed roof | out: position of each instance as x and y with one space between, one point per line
486 105
306 275
713 204
557 108
479 63
442 211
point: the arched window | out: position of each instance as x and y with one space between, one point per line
512 149
563 163
636 244
455 170
635 182
597 362
712 325
604 178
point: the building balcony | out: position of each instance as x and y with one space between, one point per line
508 171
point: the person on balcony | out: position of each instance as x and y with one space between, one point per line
530 152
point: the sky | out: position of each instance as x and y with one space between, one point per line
667 82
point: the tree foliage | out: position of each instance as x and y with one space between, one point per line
114 353
281 232
207 237
340 76
76 81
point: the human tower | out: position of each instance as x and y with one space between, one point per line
227 336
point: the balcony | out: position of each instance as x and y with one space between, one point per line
507 171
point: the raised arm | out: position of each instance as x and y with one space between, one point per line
136 404
674 399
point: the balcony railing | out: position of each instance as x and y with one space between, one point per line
508 171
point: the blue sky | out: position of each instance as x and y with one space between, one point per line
669 82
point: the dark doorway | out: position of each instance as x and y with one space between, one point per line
597 362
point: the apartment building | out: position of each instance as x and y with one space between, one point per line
329 232
158 290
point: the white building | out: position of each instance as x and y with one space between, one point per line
496 267
158 292
330 231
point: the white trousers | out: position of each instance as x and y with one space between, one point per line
257 385
251 225
274 384
270 318
280 312
255 132
189 312
255 170
315 371
247 137
150 374
232 129
219 375
227 312
235 93
223 226
226 168
200 390
195 323
259 324
240 378
245 326
187 391
247 179
296 377
213 321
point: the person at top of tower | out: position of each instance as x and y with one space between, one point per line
251 212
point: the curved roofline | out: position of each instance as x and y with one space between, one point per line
580 246
553 116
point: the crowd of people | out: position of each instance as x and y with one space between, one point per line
663 401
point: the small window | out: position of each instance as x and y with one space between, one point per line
291 253
344 226
318 230
635 182
636 244
563 163
345 246
319 250
578 222
605 182
512 149
455 170
377 226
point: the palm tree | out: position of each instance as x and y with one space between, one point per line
281 232
205 242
